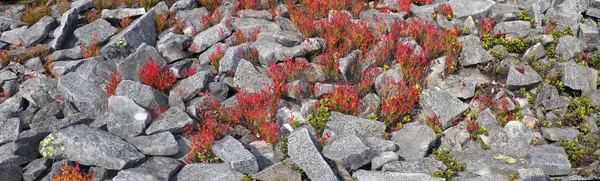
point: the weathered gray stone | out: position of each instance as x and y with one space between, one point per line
193 17
535 52
86 97
121 13
383 158
173 120
454 138
143 95
163 168
278 171
346 124
414 140
578 77
250 79
140 31
35 169
249 24
421 165
190 87
588 33
348 150
7 156
232 151
161 144
550 158
379 145
68 23
66 54
288 38
565 19
447 107
128 119
472 52
487 119
81 5
348 65
304 151
7 23
231 57
532 174
476 9
250 13
209 172
38 31
173 46
555 134
369 104
134 175
522 77
133 63
100 30
514 28
9 130
514 140
209 37
11 172
101 148
13 36
65 67
568 45
459 86
363 175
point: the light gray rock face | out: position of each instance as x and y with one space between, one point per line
514 28
173 46
588 32
250 13
348 150
551 159
382 159
13 36
346 124
249 24
34 169
133 63
476 9
459 86
190 87
535 52
9 130
163 168
143 95
68 23
128 119
288 38
140 31
472 52
278 171
161 144
65 67
522 77
447 107
87 97
555 134
513 140
210 36
173 120
193 17
487 119
7 23
38 91
421 165
532 174
101 148
66 54
81 5
232 151
304 152
250 79
100 29
569 45
454 138
231 56
121 13
414 140
38 31
209 172
363 175
578 77
564 19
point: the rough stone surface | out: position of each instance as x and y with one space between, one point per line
121 13
460 87
551 159
348 150
414 140
9 130
304 151
128 119
447 107
346 124
250 79
278 171
208 171
11 172
173 47
555 134
68 23
209 37
476 9
472 53
363 175
161 144
173 120
232 151
140 31
382 159
99 30
578 77
38 31
532 174
522 77
421 165
143 95
568 45
190 87
86 97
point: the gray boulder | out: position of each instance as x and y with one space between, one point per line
121 13
134 175
161 144
65 67
536 52
476 9
588 32
133 63
472 52
143 95
516 29
154 168
514 140
11 172
210 36
173 120
555 134
454 138
532 174
173 46
447 107
346 124
100 29
363 175
551 159
65 54
128 119
233 152
250 24
38 31
68 23
101 148
348 150
279 170
208 172
38 91
35 169
303 149
13 36
578 77
565 19
250 13
383 158
7 23
414 140
288 38
190 87
568 45
84 95
250 79
140 31
421 165
459 86
522 77
9 130
193 17
81 5
231 57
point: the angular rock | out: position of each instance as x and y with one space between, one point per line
250 79
383 158
250 13
363 175
209 37
346 124
7 23
460 87
190 87
66 54
568 45
555 134
173 46
348 150
85 96
532 174
173 120
99 30
13 36
38 91
536 52
348 65
143 95
421 165
231 57
133 63
522 77
288 38
414 140
11 172
551 159
454 138
303 150
588 32
476 9
369 104
249 24
516 29
128 119
181 68
487 119
7 156
38 31
161 144
81 5
514 140
183 5
140 31
193 17
121 13
379 145
9 130
163 168
578 77
232 151
278 171
134 175
209 172
68 23
565 19
447 107
65 67
35 169
472 52
101 148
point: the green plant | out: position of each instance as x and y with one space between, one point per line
51 144
246 177
514 45
433 122
318 119
581 151
513 176
578 111
451 165
284 145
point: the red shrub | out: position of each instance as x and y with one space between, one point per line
487 25
404 5
211 5
216 56
69 173
202 138
344 99
294 69
256 111
446 10
279 79
154 75
396 107
472 127
111 87
251 55
434 123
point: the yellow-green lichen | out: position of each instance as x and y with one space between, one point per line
51 144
